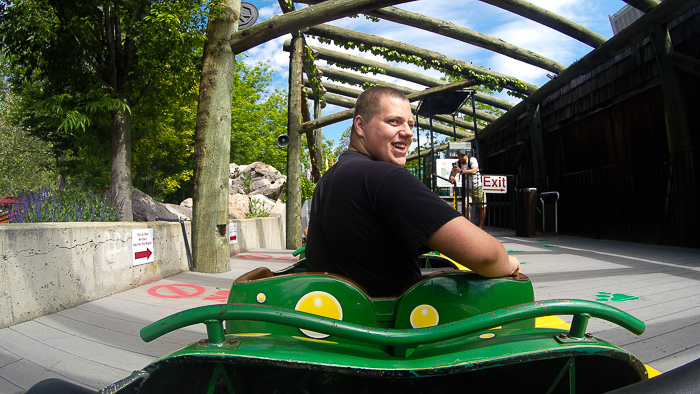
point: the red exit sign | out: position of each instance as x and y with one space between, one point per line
495 183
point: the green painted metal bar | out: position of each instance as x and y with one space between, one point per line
579 325
391 337
215 331
566 368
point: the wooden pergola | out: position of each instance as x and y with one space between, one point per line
322 86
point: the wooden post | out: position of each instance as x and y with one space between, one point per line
678 135
210 249
676 115
318 139
536 142
293 236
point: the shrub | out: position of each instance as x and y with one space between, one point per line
66 204
257 209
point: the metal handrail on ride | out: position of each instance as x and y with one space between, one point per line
404 340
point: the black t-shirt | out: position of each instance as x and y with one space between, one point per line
368 222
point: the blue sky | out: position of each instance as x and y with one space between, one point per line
471 14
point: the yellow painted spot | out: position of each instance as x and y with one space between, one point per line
261 297
458 265
651 371
424 316
315 340
322 304
488 335
551 322
251 334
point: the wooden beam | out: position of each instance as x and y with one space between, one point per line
347 102
347 114
684 62
356 79
468 36
440 128
643 5
550 19
667 11
290 22
445 62
359 63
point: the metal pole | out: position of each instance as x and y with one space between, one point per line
432 153
476 140
420 169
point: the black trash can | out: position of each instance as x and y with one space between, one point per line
525 224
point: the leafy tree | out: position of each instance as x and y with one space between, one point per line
26 162
343 143
258 117
89 65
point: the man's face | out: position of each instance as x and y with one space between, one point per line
388 135
462 158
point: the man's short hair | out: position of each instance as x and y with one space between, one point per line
366 104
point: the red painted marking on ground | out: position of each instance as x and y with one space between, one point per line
254 256
266 257
290 258
180 290
221 296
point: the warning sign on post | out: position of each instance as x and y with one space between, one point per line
142 246
232 233
495 184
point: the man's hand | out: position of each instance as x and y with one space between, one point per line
452 179
514 261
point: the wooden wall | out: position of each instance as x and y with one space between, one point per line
606 149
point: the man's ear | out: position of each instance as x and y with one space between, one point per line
359 125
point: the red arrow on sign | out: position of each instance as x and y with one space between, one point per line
145 254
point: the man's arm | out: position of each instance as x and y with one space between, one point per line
455 171
473 168
472 247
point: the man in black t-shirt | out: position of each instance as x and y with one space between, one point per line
370 218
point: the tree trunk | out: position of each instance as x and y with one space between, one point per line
121 163
210 247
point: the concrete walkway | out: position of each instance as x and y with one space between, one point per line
98 343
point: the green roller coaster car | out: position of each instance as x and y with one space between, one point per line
294 331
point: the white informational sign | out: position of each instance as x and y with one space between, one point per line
142 246
495 184
444 167
232 233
